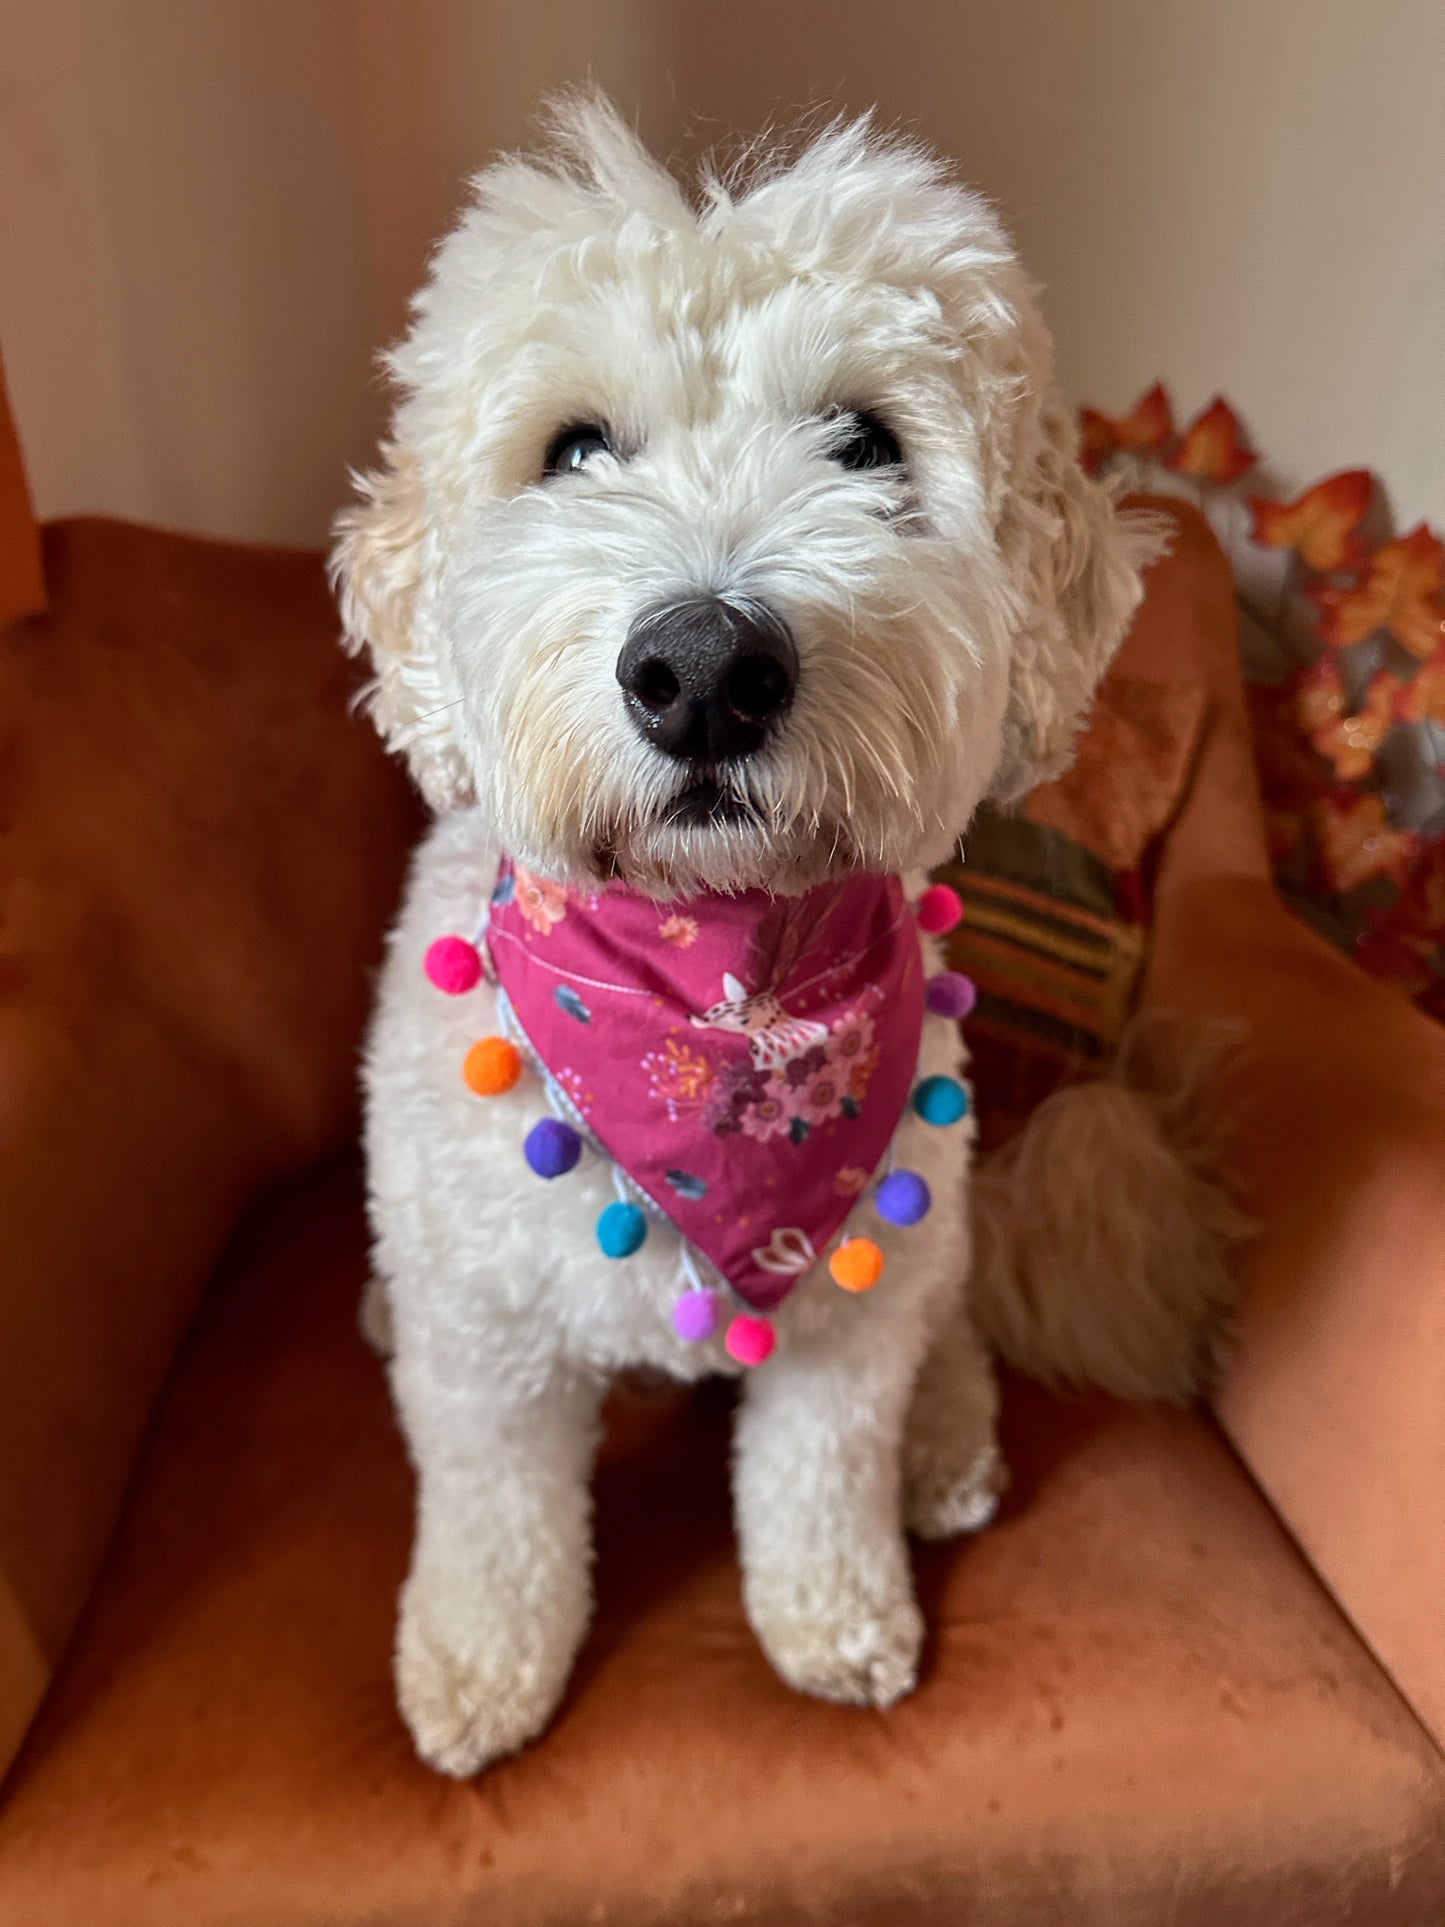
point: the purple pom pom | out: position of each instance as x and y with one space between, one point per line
552 1148
694 1316
903 1198
951 994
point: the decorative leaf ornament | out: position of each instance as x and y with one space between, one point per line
1213 446
1348 737
1149 424
1322 525
1349 732
1400 592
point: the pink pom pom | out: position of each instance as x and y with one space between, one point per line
939 910
453 965
750 1340
694 1316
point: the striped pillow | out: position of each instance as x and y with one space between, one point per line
1055 929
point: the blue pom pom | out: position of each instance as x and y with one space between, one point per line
552 1148
940 1100
902 1198
621 1229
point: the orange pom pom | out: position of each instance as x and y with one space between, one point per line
857 1264
492 1066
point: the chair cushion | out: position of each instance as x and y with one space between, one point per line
1137 1703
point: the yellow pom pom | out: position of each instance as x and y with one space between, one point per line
857 1264
492 1066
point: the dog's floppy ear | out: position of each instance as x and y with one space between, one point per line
376 569
595 176
1074 559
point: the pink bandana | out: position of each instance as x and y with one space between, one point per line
745 1060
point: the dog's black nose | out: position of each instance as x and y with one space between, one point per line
704 678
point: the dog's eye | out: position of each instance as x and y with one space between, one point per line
864 440
573 448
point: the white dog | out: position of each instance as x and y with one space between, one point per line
727 552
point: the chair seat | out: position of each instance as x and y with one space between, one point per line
1138 1705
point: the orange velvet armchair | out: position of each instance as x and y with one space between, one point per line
1195 1673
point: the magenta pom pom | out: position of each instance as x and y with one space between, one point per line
453 965
939 910
694 1316
951 994
750 1340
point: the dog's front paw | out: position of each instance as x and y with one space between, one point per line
466 1708
850 1649
943 1498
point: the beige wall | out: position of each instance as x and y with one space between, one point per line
185 301
210 210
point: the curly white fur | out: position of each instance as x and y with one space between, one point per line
951 618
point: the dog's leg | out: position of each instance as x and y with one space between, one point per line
817 1494
500 1588
952 1472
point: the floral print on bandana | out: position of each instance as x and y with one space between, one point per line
744 1059
805 1090
543 904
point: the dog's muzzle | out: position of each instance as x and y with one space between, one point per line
704 679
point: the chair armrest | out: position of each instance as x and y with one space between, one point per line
1336 1400
200 849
